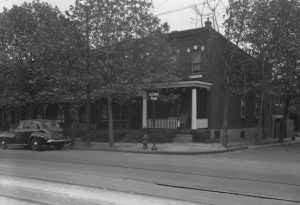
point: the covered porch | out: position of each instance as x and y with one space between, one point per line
188 108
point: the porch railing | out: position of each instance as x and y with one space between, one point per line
163 123
103 124
173 123
202 123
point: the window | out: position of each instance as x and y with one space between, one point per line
27 125
243 110
21 125
34 126
196 62
50 125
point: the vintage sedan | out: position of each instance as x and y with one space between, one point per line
35 134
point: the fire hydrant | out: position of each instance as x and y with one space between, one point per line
145 141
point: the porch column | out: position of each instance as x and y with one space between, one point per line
144 117
194 109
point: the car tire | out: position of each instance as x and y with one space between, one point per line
36 144
3 144
59 146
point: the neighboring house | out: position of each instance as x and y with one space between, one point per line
293 121
196 107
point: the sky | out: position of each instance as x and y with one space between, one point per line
179 14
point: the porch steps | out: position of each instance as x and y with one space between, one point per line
203 135
183 137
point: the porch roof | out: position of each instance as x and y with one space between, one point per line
181 84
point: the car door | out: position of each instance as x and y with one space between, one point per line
18 133
29 128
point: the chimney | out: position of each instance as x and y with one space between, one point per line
208 24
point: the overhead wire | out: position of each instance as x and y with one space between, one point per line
180 9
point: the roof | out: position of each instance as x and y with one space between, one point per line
181 84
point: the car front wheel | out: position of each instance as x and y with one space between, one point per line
36 144
3 144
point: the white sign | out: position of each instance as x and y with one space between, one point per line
153 94
153 98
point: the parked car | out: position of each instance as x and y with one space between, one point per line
35 134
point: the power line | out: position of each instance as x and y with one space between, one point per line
178 9
182 8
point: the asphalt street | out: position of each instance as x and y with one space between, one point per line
267 175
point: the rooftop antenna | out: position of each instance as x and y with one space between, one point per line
199 13
208 9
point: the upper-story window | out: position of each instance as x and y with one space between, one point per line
196 62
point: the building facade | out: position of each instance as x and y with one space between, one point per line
199 105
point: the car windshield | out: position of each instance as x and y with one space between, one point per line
50 125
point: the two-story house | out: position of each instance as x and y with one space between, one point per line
198 108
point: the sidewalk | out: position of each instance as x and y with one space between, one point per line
180 148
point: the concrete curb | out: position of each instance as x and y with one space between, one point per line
189 152
274 144
166 152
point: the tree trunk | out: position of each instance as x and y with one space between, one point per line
283 128
260 117
88 87
110 121
74 118
88 115
224 135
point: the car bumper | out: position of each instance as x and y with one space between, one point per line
65 141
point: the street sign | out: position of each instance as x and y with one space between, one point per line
153 94
153 98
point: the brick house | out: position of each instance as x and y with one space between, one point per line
198 109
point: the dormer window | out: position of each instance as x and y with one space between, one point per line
196 62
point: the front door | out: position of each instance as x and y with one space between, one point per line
24 130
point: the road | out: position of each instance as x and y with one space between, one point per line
267 175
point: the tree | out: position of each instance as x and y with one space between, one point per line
116 34
34 43
272 35
71 78
231 66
